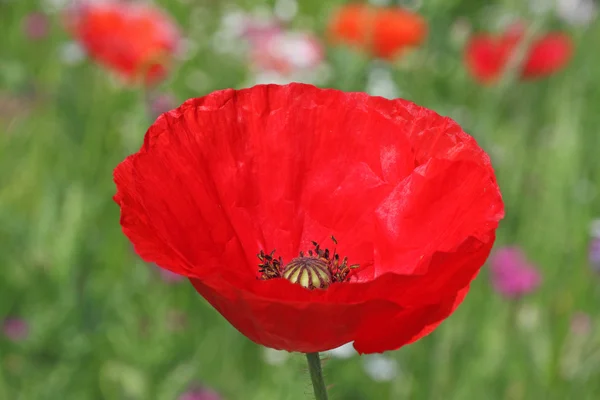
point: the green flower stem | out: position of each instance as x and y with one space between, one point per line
316 375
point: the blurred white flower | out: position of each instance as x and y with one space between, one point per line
281 57
460 31
409 4
225 42
301 50
59 5
286 10
232 27
343 352
540 7
275 55
595 228
275 357
54 5
381 2
528 317
234 22
576 12
186 49
71 53
381 83
286 52
380 368
585 191
265 77
314 76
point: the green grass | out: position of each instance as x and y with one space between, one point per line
101 319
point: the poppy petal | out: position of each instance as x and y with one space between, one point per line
406 327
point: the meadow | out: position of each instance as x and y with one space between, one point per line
86 318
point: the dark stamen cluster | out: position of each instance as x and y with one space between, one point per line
338 268
269 266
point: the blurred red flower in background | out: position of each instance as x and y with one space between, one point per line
411 200
134 39
548 55
382 31
487 56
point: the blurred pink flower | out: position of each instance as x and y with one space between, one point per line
15 329
594 249
161 103
512 274
285 52
169 277
200 393
581 324
255 30
594 254
36 25
176 320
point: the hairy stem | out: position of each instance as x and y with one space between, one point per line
316 375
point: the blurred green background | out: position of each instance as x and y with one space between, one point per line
96 322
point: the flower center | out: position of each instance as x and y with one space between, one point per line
308 272
316 270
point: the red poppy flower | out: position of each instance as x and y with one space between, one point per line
410 198
548 55
487 56
134 39
383 31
